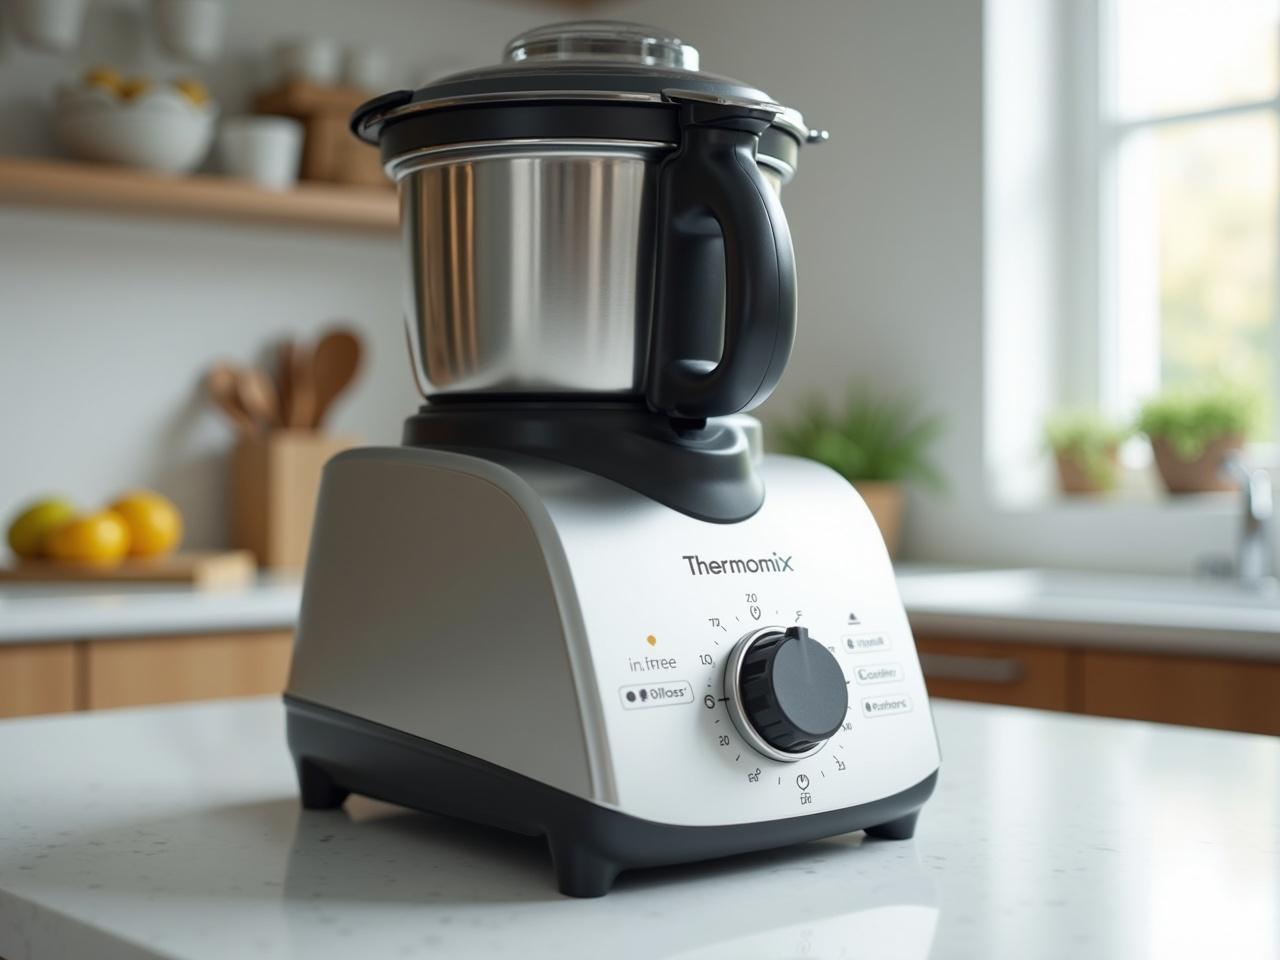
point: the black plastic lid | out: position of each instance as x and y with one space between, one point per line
598 63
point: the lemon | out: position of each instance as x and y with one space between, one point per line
134 87
30 529
195 91
101 539
106 78
155 525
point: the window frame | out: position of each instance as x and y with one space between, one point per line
1096 360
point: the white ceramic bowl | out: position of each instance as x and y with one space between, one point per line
158 130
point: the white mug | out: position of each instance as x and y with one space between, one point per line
190 29
50 25
263 149
365 68
313 59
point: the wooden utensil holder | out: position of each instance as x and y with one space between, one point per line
329 151
275 481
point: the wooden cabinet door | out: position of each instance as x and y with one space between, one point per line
37 678
1018 674
1203 692
129 672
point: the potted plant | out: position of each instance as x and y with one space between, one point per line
1192 431
1085 447
876 444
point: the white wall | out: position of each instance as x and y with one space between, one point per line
99 358
106 324
889 220
887 216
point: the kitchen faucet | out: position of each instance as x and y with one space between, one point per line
1254 565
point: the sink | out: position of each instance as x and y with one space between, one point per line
1076 603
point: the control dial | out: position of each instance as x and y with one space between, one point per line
785 691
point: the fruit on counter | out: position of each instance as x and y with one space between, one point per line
98 539
105 78
193 90
154 523
30 530
141 523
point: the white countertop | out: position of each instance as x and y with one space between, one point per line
36 613
1161 614
175 832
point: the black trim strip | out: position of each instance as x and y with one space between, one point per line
656 122
337 754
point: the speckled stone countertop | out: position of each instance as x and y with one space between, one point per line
175 832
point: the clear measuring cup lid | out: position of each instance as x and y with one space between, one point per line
615 41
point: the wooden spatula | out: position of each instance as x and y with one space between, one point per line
337 359
258 398
297 386
284 380
221 383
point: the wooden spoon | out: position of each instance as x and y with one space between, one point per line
221 383
284 381
336 361
258 398
302 386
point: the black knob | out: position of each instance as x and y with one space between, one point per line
793 690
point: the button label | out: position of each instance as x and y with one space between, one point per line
641 696
885 706
878 673
866 642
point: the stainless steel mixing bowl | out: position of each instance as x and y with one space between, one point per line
529 265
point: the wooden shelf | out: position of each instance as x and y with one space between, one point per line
81 186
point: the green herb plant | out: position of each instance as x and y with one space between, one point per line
866 439
1191 419
1089 440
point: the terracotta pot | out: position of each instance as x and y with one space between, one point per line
884 500
1200 475
1075 480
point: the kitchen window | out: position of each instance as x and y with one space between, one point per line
1175 241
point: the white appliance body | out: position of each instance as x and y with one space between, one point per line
543 623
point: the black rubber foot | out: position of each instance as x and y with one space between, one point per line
579 872
904 828
318 791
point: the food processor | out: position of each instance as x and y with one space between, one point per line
578 601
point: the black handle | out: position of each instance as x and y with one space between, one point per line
715 207
368 109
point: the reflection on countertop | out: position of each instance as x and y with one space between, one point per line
175 832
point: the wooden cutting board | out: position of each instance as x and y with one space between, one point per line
202 569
